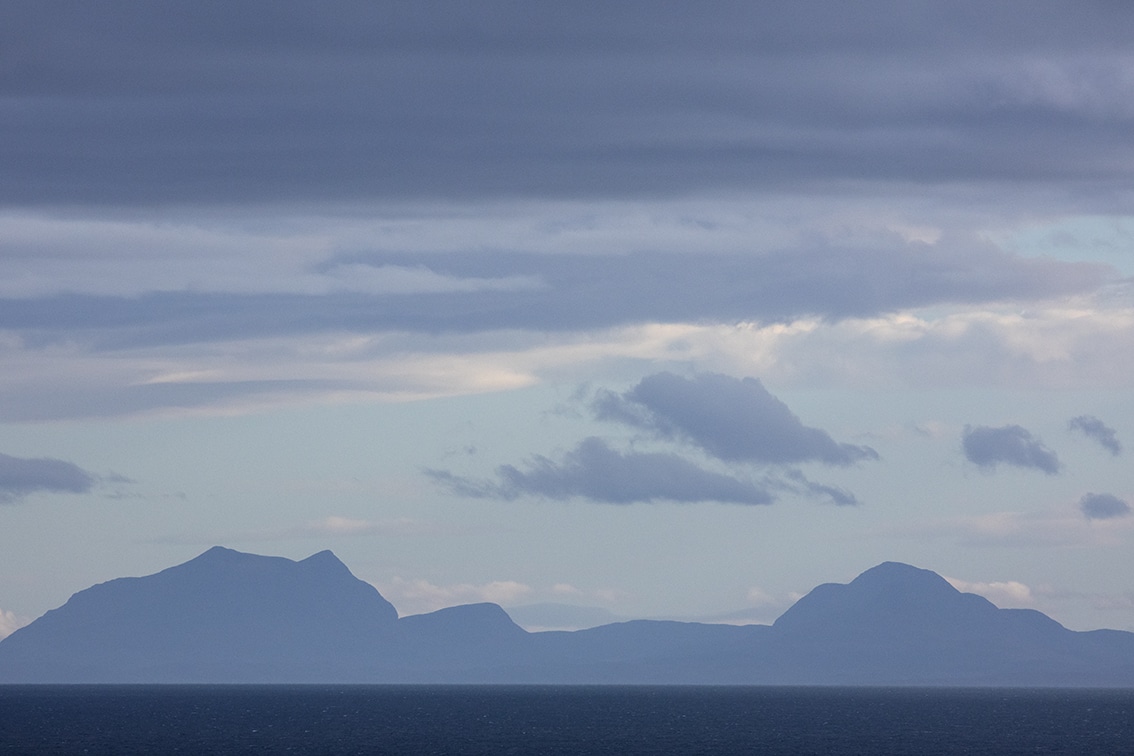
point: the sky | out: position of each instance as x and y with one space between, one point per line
650 308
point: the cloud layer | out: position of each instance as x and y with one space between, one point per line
1009 445
267 101
569 292
180 179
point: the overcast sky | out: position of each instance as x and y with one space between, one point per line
671 310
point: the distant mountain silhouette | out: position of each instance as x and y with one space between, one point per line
897 624
232 617
224 616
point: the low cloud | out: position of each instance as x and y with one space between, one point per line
733 419
1011 445
1103 506
1096 429
21 477
419 595
1007 593
596 472
10 623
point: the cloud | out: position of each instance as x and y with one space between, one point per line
244 187
1075 343
1010 445
1103 506
797 482
1054 347
169 104
1007 593
596 472
419 595
21 477
10 623
1096 429
736 420
575 292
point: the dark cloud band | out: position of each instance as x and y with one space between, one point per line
123 102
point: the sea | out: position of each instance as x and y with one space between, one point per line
315 719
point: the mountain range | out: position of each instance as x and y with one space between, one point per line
232 617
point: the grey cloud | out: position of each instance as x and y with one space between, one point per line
158 102
25 403
596 472
20 477
1010 445
577 292
1094 428
736 420
796 481
1103 506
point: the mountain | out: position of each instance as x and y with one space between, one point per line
229 617
899 625
224 616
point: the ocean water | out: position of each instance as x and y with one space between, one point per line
561 720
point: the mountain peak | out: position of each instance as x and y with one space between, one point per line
326 560
883 598
221 552
900 576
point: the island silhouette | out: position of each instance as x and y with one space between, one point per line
233 617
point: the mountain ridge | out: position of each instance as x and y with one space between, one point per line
230 617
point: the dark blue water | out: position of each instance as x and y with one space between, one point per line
561 720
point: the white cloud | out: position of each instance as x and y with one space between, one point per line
10 623
1005 594
336 525
418 595
759 597
1087 345
565 589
